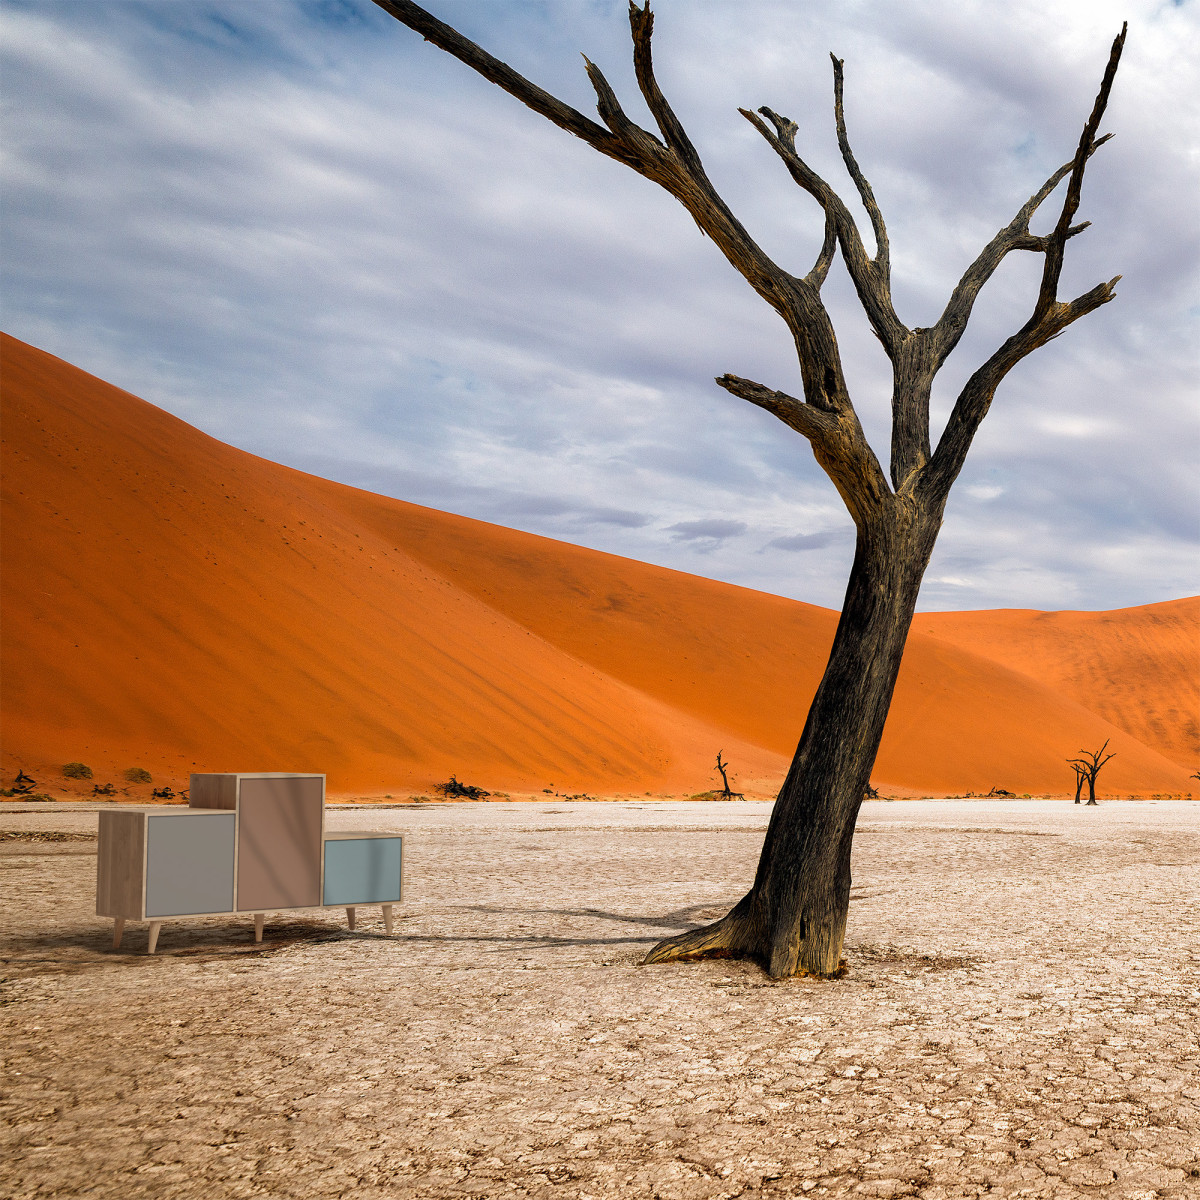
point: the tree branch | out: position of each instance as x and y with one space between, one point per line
501 74
641 25
872 289
1015 235
837 440
632 136
820 270
675 167
882 252
1047 296
803 418
976 396
1050 316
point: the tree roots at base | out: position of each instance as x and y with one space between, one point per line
727 939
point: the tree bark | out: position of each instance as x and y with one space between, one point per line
793 919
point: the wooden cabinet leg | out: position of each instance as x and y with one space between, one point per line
387 918
155 926
259 918
350 917
118 929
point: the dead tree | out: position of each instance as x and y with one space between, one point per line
1080 776
794 917
1088 767
723 767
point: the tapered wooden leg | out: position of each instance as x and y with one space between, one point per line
387 917
350 917
155 926
118 929
259 918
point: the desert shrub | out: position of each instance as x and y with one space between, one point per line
453 788
137 775
77 771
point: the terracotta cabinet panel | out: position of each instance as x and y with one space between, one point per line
280 822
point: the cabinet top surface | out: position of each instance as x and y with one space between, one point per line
358 835
170 810
257 775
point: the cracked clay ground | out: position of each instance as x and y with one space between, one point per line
1021 1017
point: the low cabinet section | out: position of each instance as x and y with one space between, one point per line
189 864
364 868
161 863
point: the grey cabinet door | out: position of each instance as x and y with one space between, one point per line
189 864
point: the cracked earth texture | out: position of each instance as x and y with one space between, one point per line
1020 1017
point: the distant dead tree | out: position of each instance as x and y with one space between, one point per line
1080 776
726 792
793 919
1088 767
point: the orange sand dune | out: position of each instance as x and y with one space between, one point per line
1138 668
173 603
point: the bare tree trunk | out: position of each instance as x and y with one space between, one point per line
794 917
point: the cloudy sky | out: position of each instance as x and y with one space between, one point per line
300 228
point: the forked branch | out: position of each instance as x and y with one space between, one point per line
1015 235
1057 241
870 281
1050 316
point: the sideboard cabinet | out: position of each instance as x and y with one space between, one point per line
246 843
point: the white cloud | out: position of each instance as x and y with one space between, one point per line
319 238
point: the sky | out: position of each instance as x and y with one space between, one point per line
300 228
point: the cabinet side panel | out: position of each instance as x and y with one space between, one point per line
363 871
280 821
120 860
212 791
189 864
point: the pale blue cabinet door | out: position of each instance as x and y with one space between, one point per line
363 871
189 864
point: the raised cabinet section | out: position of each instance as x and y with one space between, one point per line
363 868
189 864
280 822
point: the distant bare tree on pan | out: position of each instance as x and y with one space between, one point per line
1088 767
794 917
1080 776
723 767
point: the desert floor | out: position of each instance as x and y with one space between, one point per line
1020 1017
